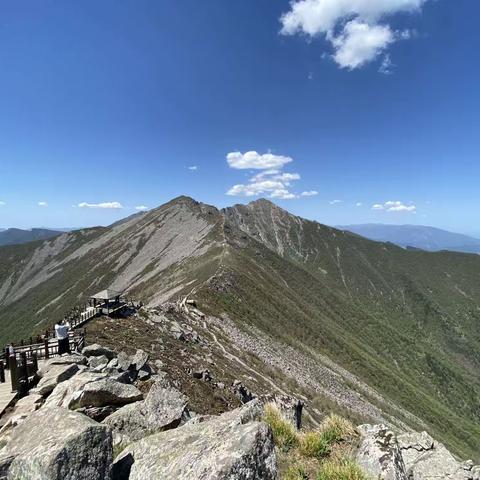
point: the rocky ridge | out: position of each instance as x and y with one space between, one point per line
112 422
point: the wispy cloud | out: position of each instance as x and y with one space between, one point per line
272 181
141 208
107 205
42 204
335 202
193 168
2 204
309 193
359 204
395 206
352 27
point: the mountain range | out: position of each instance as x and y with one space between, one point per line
416 236
15 236
399 327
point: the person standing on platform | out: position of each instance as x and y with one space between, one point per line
61 333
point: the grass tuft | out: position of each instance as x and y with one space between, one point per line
315 445
344 469
284 433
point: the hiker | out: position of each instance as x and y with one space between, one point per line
61 333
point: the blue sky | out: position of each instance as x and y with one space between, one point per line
371 107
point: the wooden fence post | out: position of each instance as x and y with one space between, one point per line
12 359
35 362
2 372
46 348
23 376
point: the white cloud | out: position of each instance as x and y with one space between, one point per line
112 205
141 208
395 206
255 161
2 204
351 26
271 181
360 43
42 204
335 202
386 66
193 168
359 204
309 193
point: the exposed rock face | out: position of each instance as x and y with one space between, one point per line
379 454
99 361
64 360
56 444
410 456
164 408
88 389
96 350
231 446
55 374
426 459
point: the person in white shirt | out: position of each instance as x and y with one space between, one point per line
61 333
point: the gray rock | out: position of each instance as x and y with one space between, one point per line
55 375
103 392
56 444
100 361
89 389
426 459
379 453
124 361
63 393
144 373
224 447
163 408
139 359
96 350
64 360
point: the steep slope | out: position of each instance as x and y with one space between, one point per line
416 236
153 256
17 236
402 322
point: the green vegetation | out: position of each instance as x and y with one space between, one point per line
321 454
343 469
404 322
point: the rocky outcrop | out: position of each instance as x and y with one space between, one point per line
55 374
96 350
232 446
88 389
164 408
410 456
379 454
56 444
426 459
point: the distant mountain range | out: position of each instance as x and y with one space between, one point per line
16 236
416 236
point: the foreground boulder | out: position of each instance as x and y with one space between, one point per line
54 375
56 444
232 446
164 408
87 389
73 358
426 459
379 454
96 350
